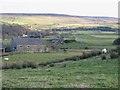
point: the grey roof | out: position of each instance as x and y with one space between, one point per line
28 41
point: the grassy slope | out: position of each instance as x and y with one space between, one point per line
92 72
47 22
41 57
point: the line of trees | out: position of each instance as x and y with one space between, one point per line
101 28
8 30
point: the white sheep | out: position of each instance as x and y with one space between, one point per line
104 51
6 59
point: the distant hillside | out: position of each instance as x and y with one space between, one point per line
56 21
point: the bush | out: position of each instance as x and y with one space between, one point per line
95 52
118 49
113 50
30 64
18 65
52 65
42 64
116 41
11 65
99 52
70 41
86 47
86 55
34 65
103 57
90 54
114 55
26 64
7 65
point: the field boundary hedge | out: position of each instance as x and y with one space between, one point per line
28 64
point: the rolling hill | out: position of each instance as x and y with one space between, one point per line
51 21
16 24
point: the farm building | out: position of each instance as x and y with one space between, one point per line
28 45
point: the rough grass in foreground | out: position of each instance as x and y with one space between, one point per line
89 73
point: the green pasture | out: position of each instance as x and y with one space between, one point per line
92 40
40 57
83 32
88 73
84 45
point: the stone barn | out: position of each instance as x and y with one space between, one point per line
28 45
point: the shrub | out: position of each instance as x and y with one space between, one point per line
94 53
70 41
52 65
17 65
81 57
42 64
11 65
71 59
118 49
34 65
114 55
86 47
116 41
85 55
99 52
89 54
25 64
114 50
7 65
103 57
77 58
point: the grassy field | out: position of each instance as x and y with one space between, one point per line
89 73
90 39
40 57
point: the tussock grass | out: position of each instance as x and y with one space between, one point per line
88 73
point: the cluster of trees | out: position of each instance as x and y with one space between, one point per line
8 31
87 28
15 30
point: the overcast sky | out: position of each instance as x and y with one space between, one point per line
71 7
